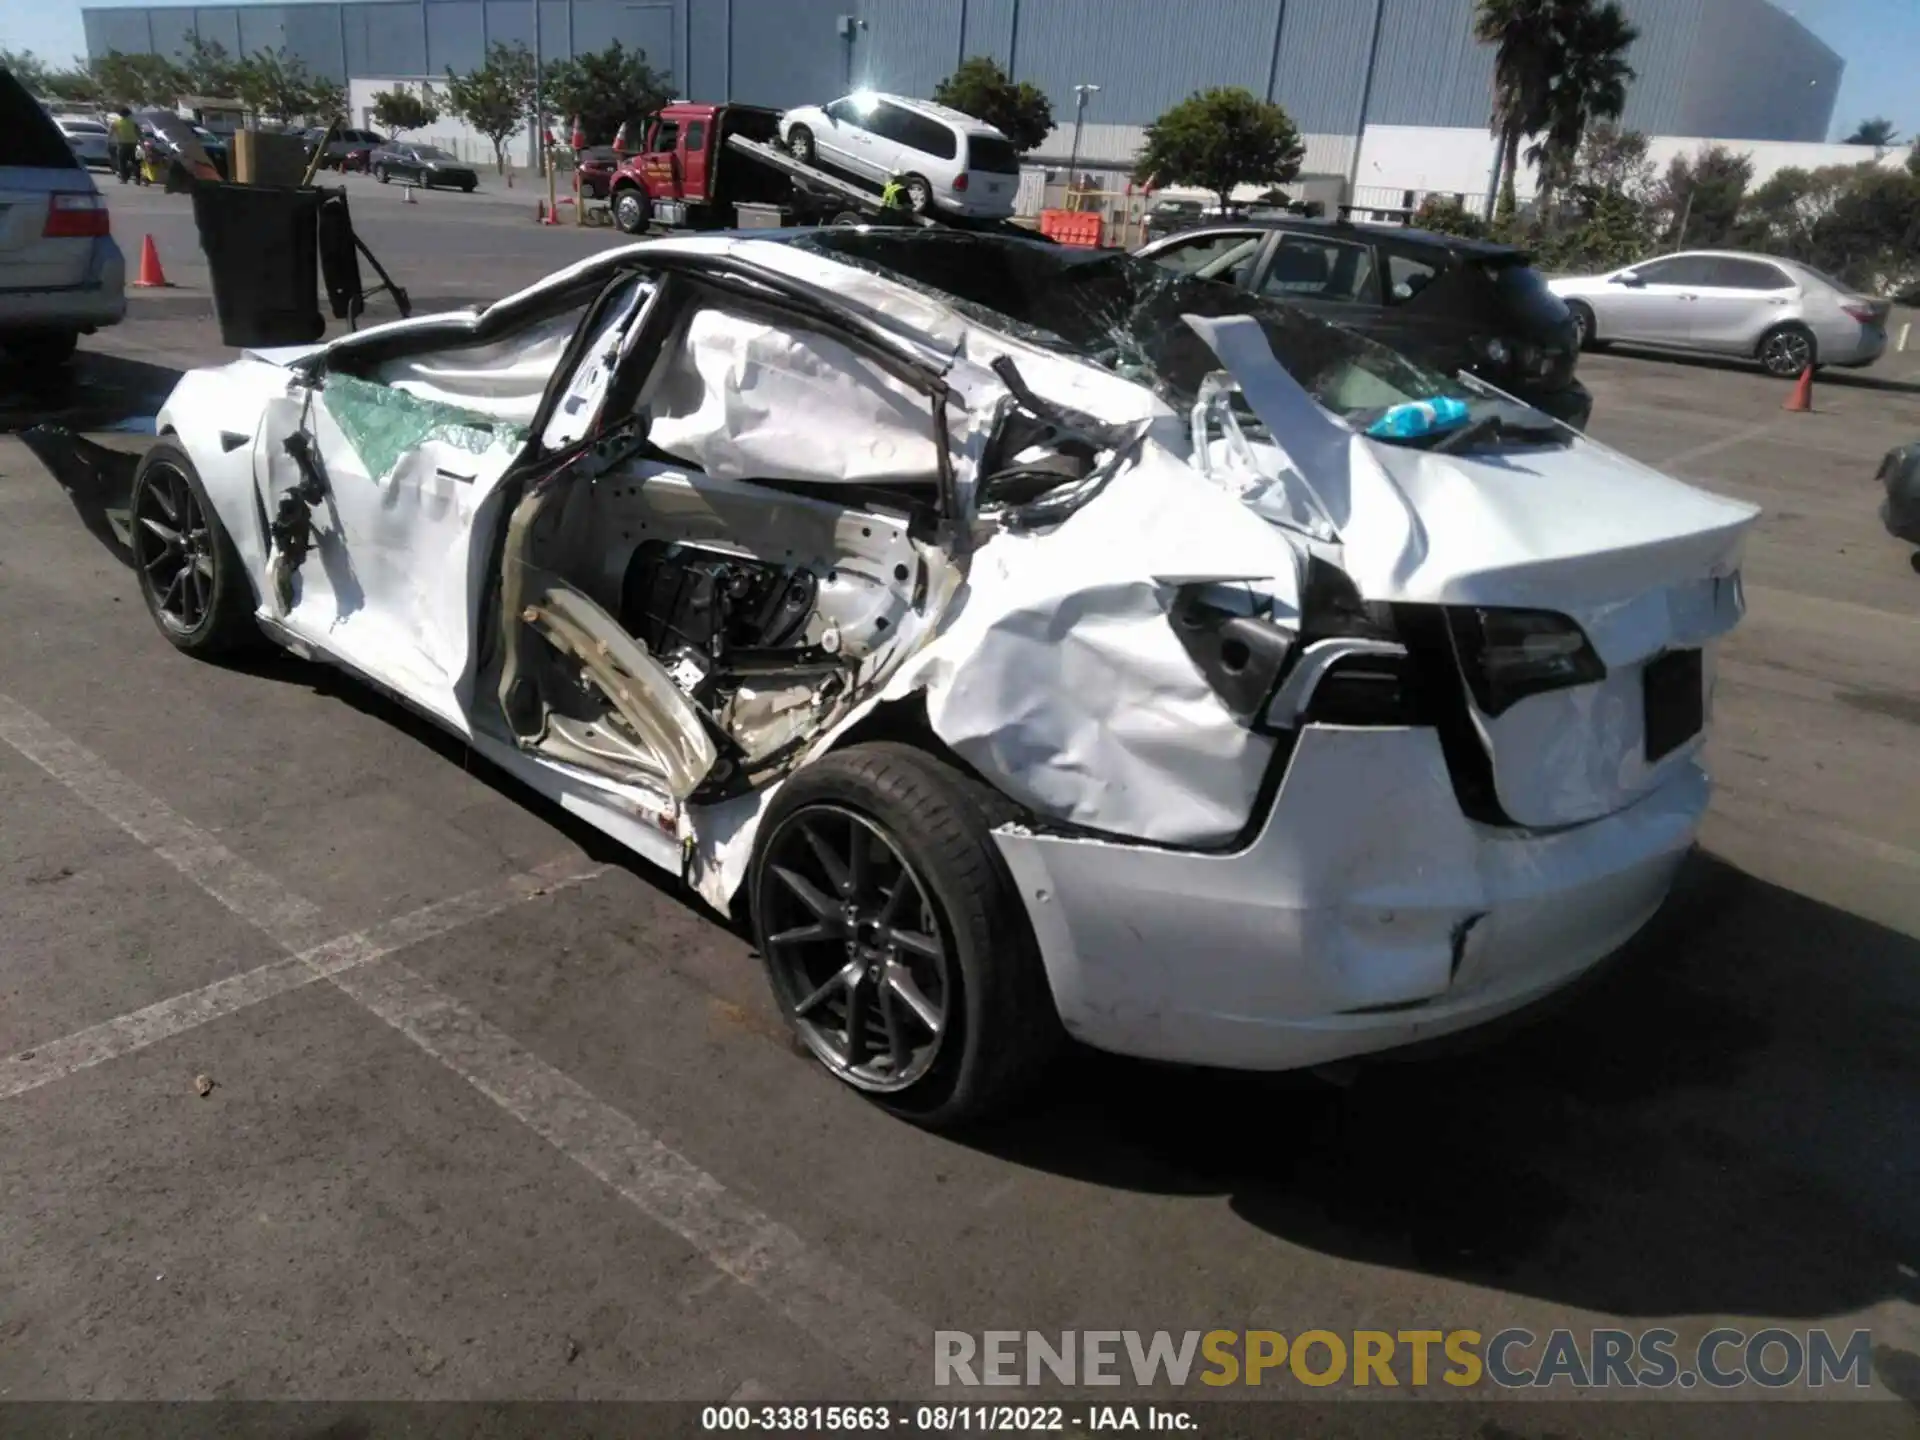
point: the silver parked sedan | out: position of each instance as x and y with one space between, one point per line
1784 314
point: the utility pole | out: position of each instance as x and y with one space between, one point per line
539 100
1080 94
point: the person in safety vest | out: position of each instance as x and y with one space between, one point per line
895 193
124 135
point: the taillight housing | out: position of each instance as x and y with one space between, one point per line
1865 314
1507 655
1229 633
960 181
75 217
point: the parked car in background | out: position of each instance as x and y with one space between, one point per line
1451 303
947 160
1786 315
1165 217
61 274
88 140
343 144
596 164
424 165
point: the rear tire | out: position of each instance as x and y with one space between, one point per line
630 211
190 574
1786 350
1583 325
919 194
800 144
380 174
947 1016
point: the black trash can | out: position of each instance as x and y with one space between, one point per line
263 253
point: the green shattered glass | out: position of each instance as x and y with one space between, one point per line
383 424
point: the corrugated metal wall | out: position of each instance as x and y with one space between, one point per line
1728 67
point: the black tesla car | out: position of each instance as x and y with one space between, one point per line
423 165
1451 303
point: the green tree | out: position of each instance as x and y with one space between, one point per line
1701 196
1220 139
1589 80
25 67
1558 66
326 100
276 84
139 79
1521 32
399 110
1877 132
208 69
606 88
980 88
1612 161
1913 159
497 98
75 83
1445 215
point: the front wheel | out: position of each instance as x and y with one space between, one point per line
190 574
1787 350
380 174
468 187
895 940
800 144
630 212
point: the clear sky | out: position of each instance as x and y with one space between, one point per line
1879 40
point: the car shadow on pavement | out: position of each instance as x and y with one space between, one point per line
97 391
1866 378
1724 1120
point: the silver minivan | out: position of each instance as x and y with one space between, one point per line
61 275
1786 315
946 160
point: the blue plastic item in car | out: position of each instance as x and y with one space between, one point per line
1420 417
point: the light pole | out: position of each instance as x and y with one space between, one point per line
539 100
1080 94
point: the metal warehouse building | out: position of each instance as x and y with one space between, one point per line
1734 69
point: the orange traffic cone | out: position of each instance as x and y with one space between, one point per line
151 276
1802 396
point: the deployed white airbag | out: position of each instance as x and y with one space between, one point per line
743 399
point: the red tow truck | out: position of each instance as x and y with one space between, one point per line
718 167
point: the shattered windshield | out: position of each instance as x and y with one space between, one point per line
1123 314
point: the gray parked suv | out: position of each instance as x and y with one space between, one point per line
61 275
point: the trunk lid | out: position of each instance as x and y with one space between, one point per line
1646 566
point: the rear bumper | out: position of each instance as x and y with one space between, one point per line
1368 915
100 301
1849 351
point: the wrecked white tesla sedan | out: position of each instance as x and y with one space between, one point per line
1028 640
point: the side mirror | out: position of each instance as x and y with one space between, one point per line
1628 277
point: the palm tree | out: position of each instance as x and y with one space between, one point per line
1522 34
1877 132
1589 82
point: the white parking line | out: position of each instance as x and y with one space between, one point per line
43 1064
1714 447
836 1310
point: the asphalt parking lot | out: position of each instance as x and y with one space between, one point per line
494 1114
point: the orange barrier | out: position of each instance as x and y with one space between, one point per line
1072 227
